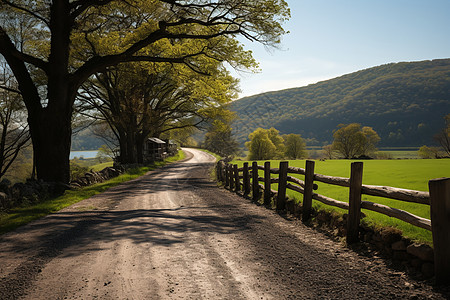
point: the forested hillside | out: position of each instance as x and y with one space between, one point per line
404 102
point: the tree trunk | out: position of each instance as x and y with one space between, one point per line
51 135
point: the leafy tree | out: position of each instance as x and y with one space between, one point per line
328 150
430 152
371 140
104 154
295 146
142 100
73 39
219 139
443 137
265 144
351 141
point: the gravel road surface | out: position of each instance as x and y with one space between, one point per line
173 234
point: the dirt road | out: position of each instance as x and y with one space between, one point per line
173 234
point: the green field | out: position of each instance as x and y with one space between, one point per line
411 174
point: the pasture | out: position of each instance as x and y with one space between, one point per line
411 174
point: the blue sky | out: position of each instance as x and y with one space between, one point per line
329 38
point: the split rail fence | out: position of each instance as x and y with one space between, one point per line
247 180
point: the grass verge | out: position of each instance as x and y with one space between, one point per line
22 215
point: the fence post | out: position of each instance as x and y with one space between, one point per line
237 183
227 178
354 210
308 192
231 177
267 183
245 180
219 171
281 198
255 183
440 223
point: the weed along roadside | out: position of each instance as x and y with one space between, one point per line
18 216
389 240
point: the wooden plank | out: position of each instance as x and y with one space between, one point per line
397 213
354 211
330 201
397 193
341 181
275 171
295 188
307 195
255 182
281 198
267 183
296 170
296 181
440 222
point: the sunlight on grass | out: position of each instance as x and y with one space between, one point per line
23 215
411 174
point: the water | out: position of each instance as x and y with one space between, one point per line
84 154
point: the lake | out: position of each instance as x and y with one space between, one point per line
84 154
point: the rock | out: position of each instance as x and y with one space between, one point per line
390 235
428 270
424 252
400 255
416 263
399 246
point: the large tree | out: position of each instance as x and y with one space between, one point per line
139 100
70 46
295 146
352 141
265 144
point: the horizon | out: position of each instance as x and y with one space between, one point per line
329 39
313 83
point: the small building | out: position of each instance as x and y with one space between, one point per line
154 149
171 147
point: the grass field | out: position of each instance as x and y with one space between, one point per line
23 215
411 174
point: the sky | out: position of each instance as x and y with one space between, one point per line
330 38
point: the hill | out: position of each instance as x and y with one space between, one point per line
404 102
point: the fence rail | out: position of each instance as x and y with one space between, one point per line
438 198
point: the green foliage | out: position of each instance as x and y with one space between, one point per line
76 170
430 152
351 141
104 153
265 144
219 139
403 102
295 146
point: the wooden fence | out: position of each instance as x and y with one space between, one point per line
247 179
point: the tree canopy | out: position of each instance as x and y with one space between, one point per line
70 40
265 144
352 141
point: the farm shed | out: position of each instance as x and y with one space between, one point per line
154 149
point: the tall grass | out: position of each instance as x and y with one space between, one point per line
22 215
408 174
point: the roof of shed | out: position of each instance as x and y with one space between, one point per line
156 140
